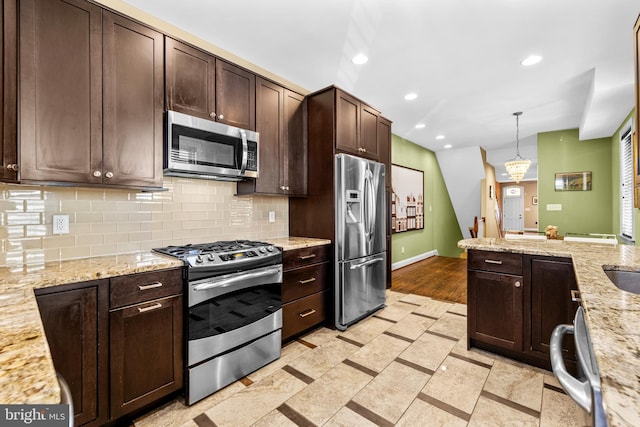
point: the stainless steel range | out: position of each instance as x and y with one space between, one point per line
234 291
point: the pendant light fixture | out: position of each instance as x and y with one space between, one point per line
518 166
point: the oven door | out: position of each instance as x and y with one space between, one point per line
227 311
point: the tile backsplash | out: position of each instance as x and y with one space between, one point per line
106 221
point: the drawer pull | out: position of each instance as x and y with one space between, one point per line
307 313
150 286
575 295
517 284
304 282
303 257
149 308
493 261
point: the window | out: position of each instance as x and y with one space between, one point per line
626 182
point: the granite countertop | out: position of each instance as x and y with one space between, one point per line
27 374
612 315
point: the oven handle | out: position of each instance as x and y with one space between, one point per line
221 283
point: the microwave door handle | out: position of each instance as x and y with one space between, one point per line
245 149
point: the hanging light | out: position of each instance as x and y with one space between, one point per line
518 166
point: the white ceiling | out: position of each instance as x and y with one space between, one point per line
462 58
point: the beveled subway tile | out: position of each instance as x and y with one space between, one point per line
39 230
517 383
379 352
23 218
420 411
490 412
75 252
392 391
23 192
76 206
323 398
457 383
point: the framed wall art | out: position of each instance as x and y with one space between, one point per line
407 199
573 181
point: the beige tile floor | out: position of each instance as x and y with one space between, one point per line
407 365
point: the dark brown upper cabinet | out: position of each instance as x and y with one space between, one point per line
384 148
356 127
8 115
90 96
280 121
204 86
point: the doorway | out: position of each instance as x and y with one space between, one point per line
513 208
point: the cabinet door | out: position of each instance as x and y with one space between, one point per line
235 96
72 321
8 67
146 353
60 96
270 124
495 305
347 123
133 103
551 305
369 132
190 82
384 148
295 144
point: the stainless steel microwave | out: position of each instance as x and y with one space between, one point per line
200 148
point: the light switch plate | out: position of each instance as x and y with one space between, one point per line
554 207
272 216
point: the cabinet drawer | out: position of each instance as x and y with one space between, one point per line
499 262
304 313
135 288
305 256
304 281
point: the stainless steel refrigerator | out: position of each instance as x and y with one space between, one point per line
360 243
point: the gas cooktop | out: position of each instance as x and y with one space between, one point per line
224 256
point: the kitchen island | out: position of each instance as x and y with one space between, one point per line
612 314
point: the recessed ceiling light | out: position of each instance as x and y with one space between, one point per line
420 126
440 137
360 59
410 96
531 60
448 146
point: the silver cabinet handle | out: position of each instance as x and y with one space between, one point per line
304 282
150 286
517 284
307 313
575 295
97 174
149 308
303 257
109 174
493 261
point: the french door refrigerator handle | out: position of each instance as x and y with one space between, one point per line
365 263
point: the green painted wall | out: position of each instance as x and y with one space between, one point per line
441 230
582 211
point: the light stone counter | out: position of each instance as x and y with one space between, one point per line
27 374
290 243
613 315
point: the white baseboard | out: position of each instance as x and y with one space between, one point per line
411 260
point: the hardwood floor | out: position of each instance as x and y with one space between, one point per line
437 277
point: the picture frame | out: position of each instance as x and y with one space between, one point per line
573 181
534 200
407 199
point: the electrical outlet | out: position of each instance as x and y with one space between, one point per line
61 224
272 216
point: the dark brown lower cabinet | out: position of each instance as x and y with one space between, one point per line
75 323
146 345
495 309
515 314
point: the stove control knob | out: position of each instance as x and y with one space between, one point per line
263 249
270 248
210 257
198 259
